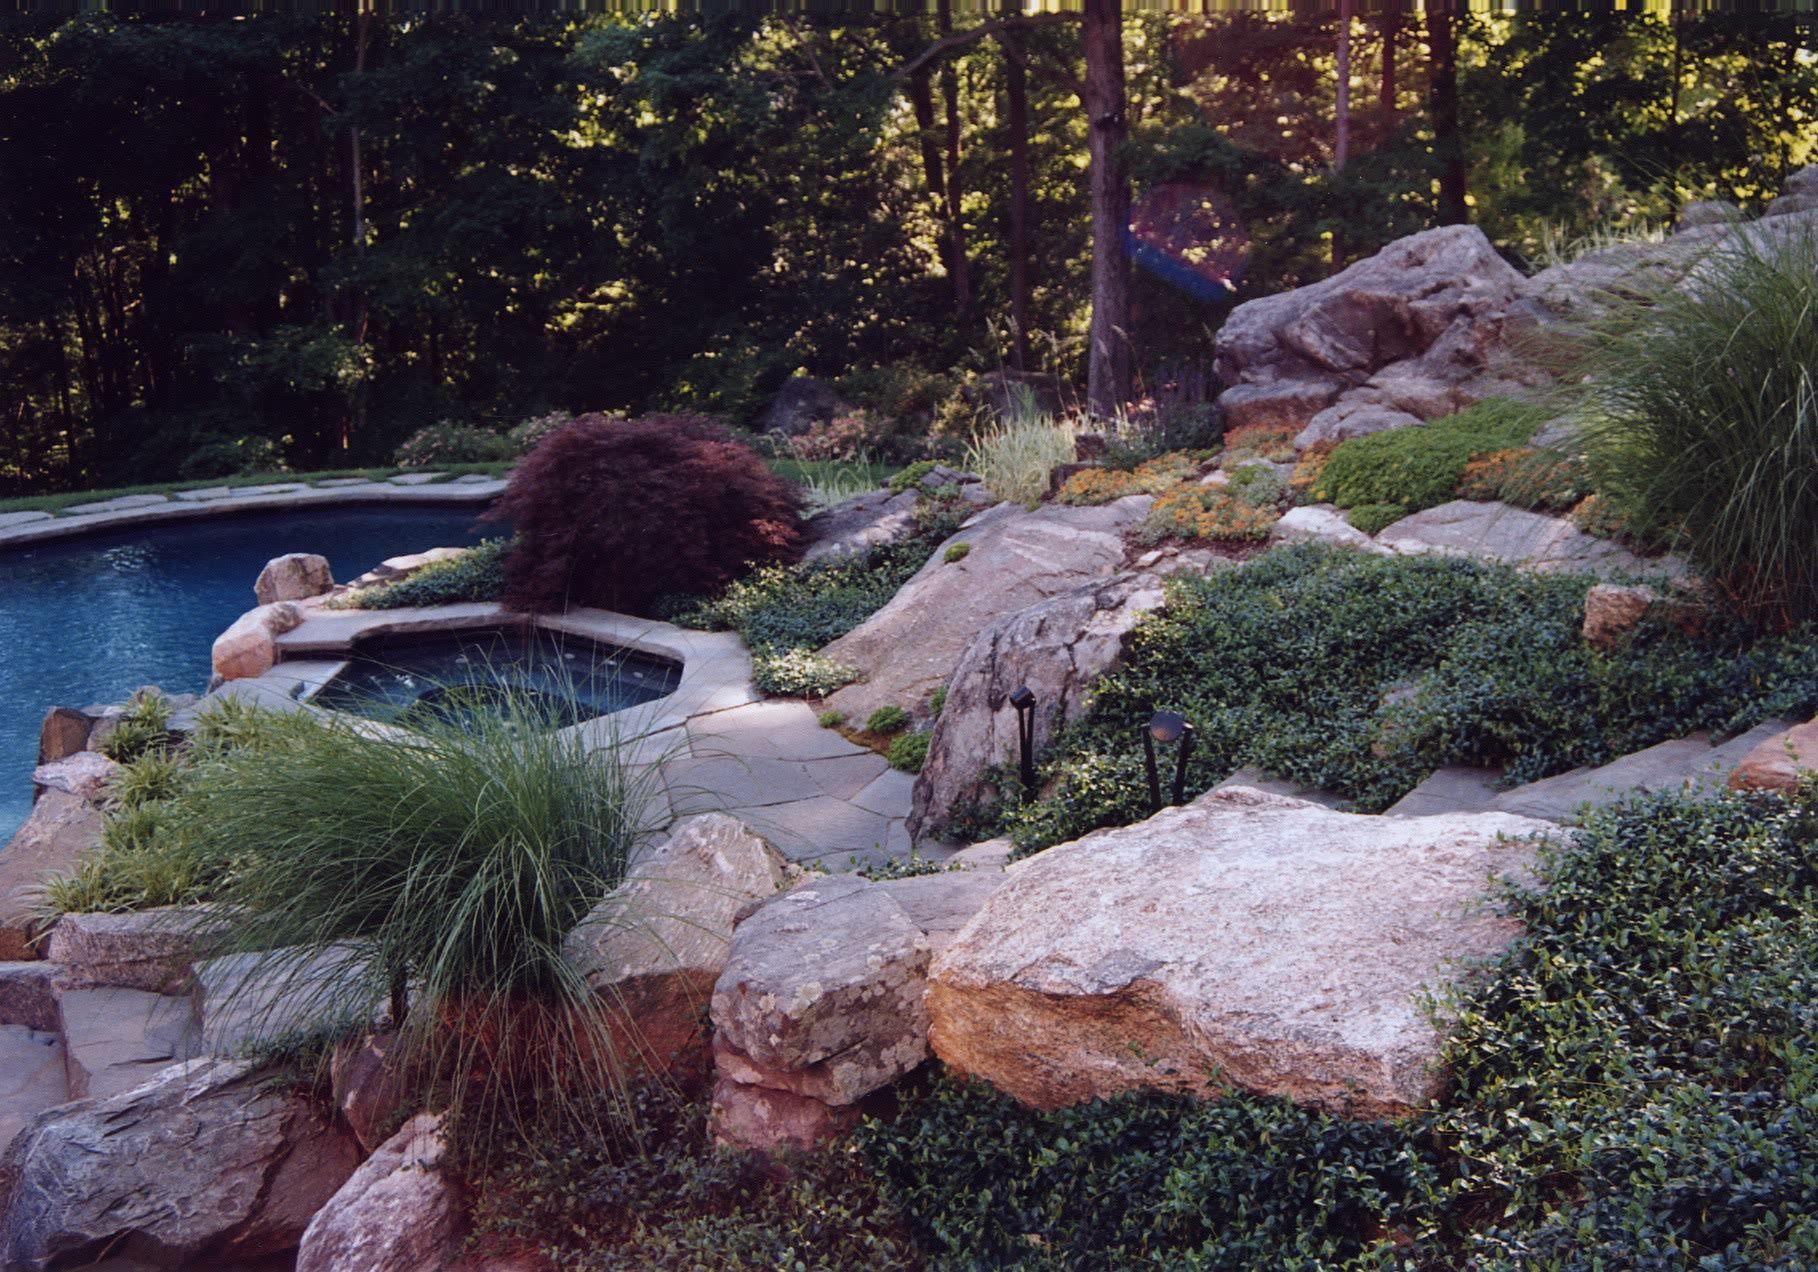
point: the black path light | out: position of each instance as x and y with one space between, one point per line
1167 726
1024 701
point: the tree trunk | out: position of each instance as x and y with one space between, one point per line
956 226
1448 145
921 100
1341 142
1385 101
1016 87
1108 359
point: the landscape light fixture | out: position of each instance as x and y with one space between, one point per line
1024 702
1167 726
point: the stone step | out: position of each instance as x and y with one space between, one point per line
1689 763
31 1077
249 998
116 1039
1456 788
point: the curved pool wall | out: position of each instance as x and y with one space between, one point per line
89 619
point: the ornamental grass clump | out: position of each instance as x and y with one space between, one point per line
621 513
1702 418
1016 456
431 875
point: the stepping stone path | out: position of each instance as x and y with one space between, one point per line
815 796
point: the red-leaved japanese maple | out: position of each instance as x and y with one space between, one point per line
617 513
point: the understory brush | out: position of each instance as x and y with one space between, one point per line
477 575
785 613
1361 675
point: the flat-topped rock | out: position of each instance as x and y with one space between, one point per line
246 998
910 647
1246 939
28 994
61 830
115 1039
1513 536
1456 788
120 503
149 950
1690 763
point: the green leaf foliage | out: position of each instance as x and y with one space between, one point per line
477 575
1420 467
909 752
1361 675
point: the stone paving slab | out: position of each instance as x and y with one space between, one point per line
1456 788
828 831
1683 762
119 503
31 1077
887 794
780 730
415 479
115 1039
22 518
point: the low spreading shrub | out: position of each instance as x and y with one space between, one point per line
1634 1086
1144 1181
1420 467
786 613
830 719
1151 477
618 514
524 437
1362 675
1272 442
1375 518
909 752
682 1203
449 443
1527 477
888 718
1205 512
1257 484
910 478
232 457
479 575
1703 417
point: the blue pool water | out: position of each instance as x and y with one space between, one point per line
92 618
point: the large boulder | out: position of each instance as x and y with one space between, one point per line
249 647
657 944
209 1162
1056 648
63 733
860 523
1514 536
822 1000
1016 558
1248 939
398 1213
295 576
1420 329
62 829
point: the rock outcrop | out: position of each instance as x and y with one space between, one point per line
1421 329
1248 939
654 948
800 404
398 1213
878 517
86 774
295 576
1513 536
1016 558
209 1162
1056 648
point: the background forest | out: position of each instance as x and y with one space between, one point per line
328 232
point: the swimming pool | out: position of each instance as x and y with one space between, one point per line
92 618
